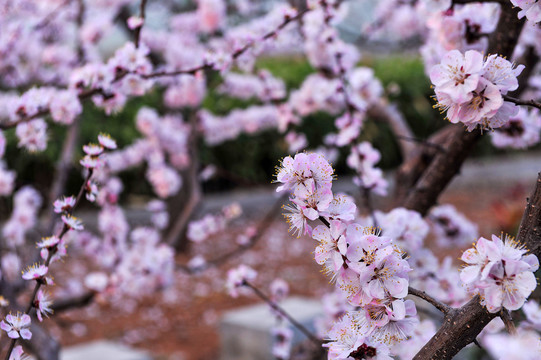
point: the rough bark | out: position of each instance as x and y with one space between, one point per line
189 197
442 169
389 114
444 166
461 326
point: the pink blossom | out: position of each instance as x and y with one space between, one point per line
17 326
92 149
96 281
458 75
32 135
211 15
279 290
342 207
90 162
135 22
304 172
501 73
35 272
521 131
406 227
529 8
165 180
524 345
400 326
508 285
451 227
7 180
65 107
532 310
72 222
349 340
65 204
236 278
297 217
332 244
106 141
501 271
282 341
18 354
43 303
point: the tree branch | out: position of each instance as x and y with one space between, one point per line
137 31
262 228
505 315
74 302
461 326
444 167
532 103
176 235
282 312
445 309
399 126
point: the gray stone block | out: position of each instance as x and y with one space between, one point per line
245 333
103 350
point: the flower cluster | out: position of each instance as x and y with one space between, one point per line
452 229
368 268
210 224
363 159
26 204
520 132
309 177
236 279
501 271
471 90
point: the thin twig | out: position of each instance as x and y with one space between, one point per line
423 142
261 230
505 315
138 29
76 301
206 66
325 221
445 309
49 17
369 205
52 251
516 101
279 309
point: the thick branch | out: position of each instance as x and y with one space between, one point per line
399 126
445 166
74 302
176 234
441 170
461 326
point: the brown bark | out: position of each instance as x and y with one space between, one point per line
445 166
461 326
190 195
442 169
